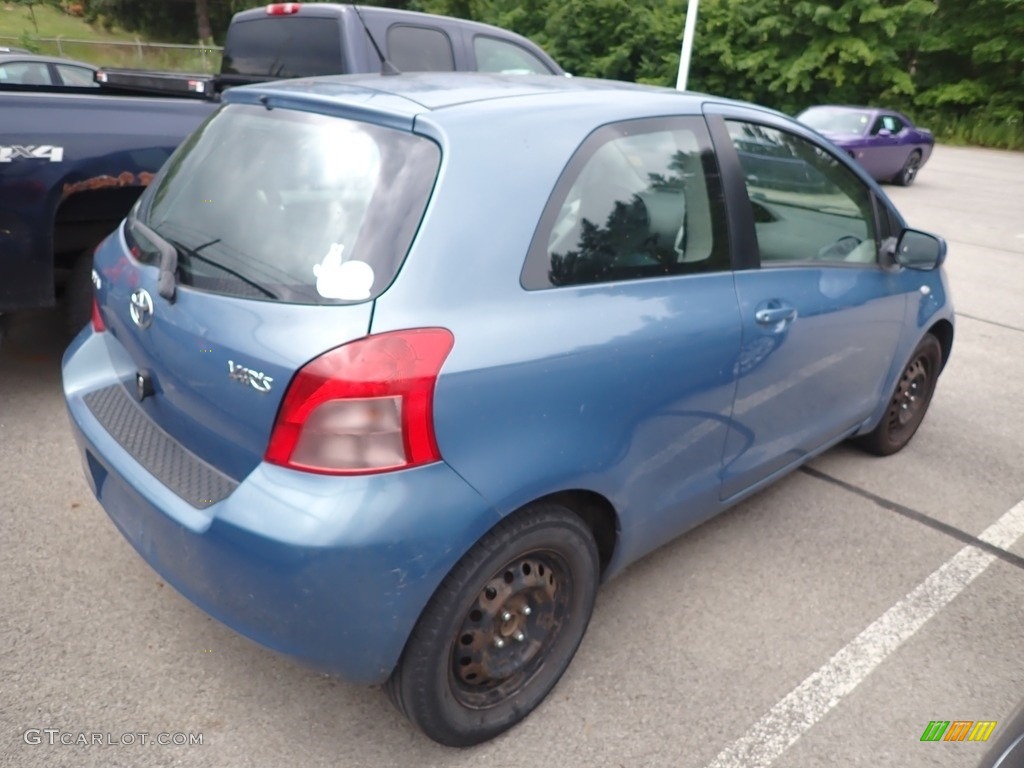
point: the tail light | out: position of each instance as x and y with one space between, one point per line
97 319
283 9
364 407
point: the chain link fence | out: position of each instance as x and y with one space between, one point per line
137 55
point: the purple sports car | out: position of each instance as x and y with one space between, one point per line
884 141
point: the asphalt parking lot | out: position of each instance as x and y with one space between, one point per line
824 622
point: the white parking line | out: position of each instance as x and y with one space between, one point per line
806 704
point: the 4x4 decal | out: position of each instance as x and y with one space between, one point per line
31 152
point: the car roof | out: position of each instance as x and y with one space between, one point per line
336 10
411 94
849 107
7 58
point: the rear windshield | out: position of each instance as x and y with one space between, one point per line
278 46
288 206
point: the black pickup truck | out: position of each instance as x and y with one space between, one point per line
74 160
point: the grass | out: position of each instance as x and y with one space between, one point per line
109 48
979 131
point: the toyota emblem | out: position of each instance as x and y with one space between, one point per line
141 308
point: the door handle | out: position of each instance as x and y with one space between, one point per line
775 315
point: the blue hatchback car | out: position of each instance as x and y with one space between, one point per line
388 373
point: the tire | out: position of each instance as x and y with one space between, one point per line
78 293
909 402
909 171
501 629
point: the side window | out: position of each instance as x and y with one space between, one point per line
419 49
77 76
494 55
892 124
808 206
638 200
25 73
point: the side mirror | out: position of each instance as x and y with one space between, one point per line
884 132
920 250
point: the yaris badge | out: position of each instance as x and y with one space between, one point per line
243 375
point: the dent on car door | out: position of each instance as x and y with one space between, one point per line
820 317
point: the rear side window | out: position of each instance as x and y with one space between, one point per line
419 49
279 46
25 73
638 200
493 55
290 206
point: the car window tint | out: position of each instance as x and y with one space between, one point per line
808 206
283 46
77 76
291 206
419 49
25 73
638 200
493 55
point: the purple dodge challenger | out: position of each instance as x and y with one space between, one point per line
885 142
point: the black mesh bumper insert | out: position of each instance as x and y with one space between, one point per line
180 470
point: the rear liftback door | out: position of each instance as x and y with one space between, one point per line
286 225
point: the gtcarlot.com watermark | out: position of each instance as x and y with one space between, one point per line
57 737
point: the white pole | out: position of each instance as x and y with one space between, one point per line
684 55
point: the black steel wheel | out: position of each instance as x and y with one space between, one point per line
501 629
909 171
909 402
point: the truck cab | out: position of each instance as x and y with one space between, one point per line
286 40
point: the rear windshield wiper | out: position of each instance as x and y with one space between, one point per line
168 260
193 253
169 252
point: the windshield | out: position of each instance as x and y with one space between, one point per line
289 206
830 120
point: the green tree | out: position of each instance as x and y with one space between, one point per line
971 58
793 54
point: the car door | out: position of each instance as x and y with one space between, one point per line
821 317
892 153
629 284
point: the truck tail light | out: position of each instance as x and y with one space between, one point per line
364 407
283 9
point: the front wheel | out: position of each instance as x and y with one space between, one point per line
909 171
501 629
908 403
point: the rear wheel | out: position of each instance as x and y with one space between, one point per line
908 403
909 171
501 629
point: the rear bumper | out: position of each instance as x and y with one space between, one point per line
332 570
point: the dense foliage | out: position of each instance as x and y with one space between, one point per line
956 65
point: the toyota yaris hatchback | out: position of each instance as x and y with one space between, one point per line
388 373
